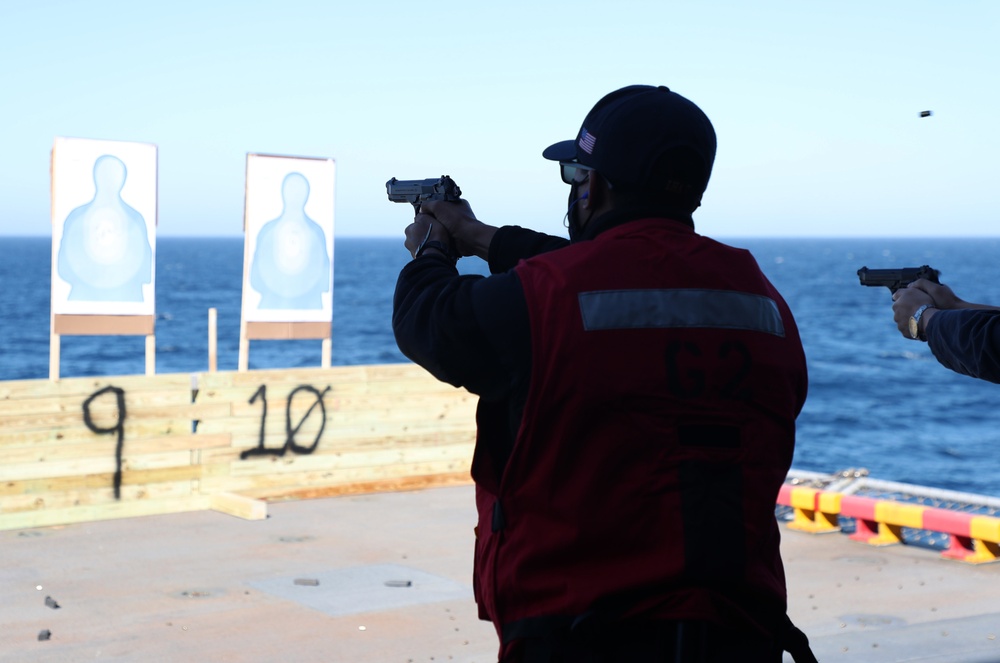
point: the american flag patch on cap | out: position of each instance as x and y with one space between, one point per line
587 141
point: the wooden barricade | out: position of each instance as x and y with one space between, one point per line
70 454
317 432
81 449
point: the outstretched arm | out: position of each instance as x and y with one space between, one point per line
964 336
936 296
501 247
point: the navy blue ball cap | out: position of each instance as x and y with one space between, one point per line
628 130
564 150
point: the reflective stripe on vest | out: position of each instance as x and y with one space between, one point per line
643 309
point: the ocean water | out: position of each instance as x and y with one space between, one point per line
876 400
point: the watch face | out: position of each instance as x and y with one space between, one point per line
914 331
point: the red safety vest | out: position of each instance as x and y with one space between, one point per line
667 373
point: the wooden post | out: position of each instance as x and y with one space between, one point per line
244 359
53 336
213 340
327 352
54 348
151 354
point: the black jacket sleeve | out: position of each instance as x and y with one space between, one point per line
512 243
473 331
967 341
470 331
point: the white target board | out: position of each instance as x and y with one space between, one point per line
103 227
288 259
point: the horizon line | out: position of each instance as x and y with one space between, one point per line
719 236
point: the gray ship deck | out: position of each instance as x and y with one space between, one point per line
326 580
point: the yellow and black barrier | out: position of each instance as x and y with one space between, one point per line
972 538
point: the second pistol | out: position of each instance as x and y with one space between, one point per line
894 279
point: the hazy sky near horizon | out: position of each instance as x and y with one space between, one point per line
816 104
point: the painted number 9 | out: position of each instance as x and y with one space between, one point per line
118 429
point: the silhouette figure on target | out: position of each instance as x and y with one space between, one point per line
291 266
105 254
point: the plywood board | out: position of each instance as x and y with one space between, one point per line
71 455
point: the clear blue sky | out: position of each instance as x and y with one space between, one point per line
816 104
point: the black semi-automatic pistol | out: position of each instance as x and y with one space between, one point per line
416 192
894 279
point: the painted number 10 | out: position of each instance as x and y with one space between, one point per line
290 430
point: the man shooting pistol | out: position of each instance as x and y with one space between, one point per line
910 322
963 336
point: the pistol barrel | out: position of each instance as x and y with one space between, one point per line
417 191
894 279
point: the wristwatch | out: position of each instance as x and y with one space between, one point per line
915 322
